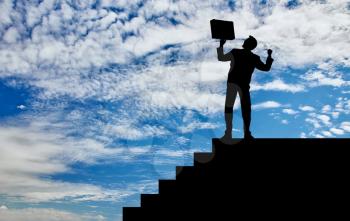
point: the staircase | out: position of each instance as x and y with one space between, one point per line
260 179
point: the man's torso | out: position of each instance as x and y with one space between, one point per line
243 68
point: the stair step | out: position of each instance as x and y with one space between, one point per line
185 172
150 200
169 190
132 213
202 158
167 187
216 143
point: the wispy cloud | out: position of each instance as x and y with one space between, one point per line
40 214
327 121
317 78
266 105
21 107
29 154
285 121
61 52
345 126
278 85
337 131
306 108
290 111
197 125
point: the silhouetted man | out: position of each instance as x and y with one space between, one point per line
243 63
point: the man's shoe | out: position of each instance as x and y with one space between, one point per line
227 138
248 136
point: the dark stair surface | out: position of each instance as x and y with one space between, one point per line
261 179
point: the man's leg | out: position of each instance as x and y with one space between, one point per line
231 94
246 111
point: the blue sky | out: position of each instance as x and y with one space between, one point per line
101 98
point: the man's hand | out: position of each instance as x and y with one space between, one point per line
222 42
269 52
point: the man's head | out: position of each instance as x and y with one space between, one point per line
250 43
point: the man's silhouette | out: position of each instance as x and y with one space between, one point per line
243 63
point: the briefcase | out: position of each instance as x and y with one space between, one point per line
222 29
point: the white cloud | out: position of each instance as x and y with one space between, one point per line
170 35
125 130
95 39
278 85
337 131
306 108
213 71
176 87
5 8
345 126
290 111
21 107
327 133
196 126
284 121
343 105
326 109
317 78
28 154
322 118
326 121
316 124
11 35
176 153
42 214
266 105
335 115
35 147
182 140
305 34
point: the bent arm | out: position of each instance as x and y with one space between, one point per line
264 67
222 56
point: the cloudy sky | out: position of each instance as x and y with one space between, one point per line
101 98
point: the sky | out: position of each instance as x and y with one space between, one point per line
101 98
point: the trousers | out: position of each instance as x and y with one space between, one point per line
244 94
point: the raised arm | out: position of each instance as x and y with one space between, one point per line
220 51
265 67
